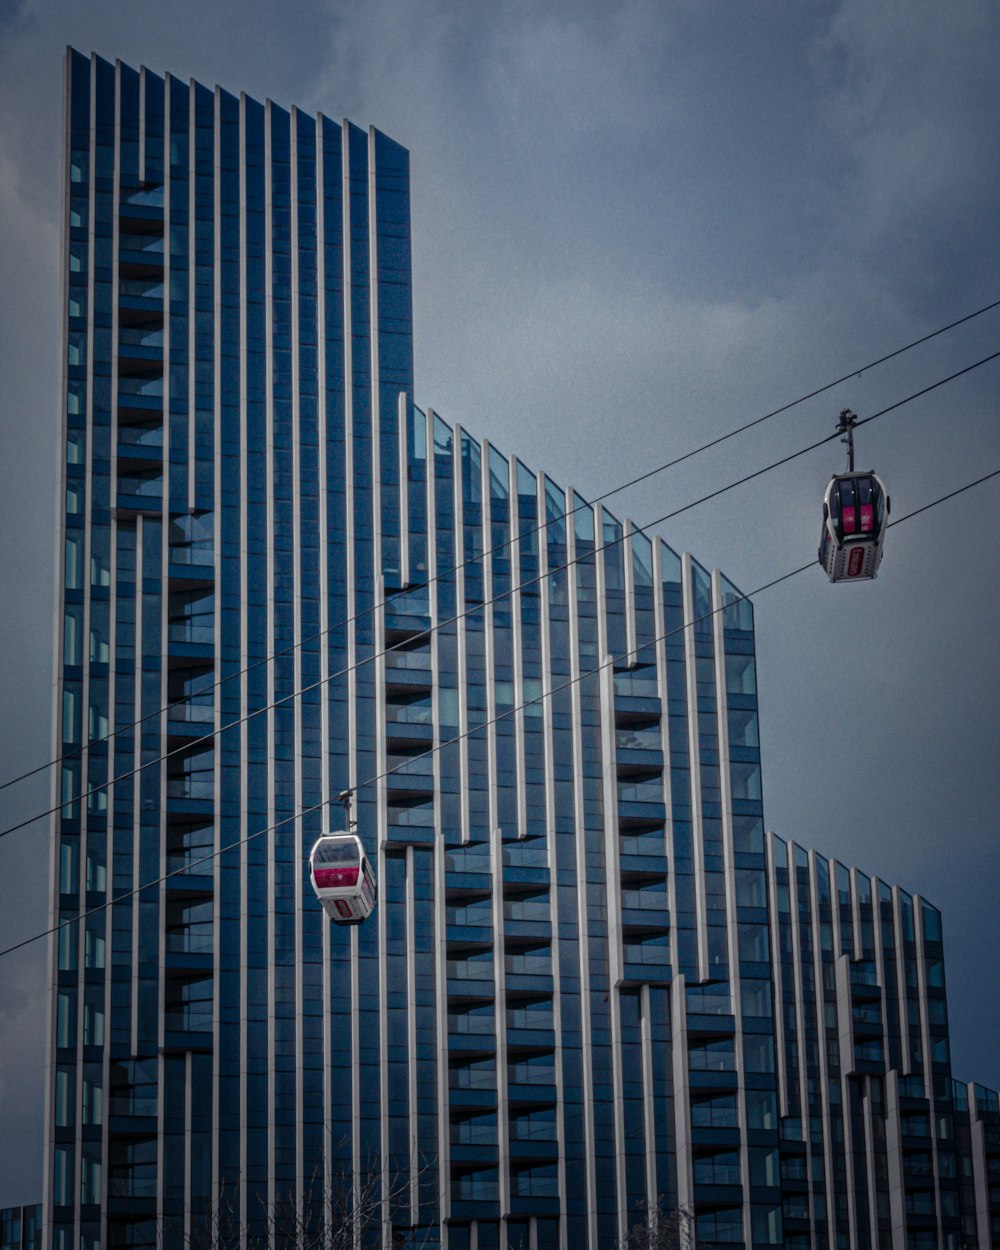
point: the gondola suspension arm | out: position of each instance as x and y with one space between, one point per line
848 420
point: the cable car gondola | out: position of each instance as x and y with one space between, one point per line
855 518
341 875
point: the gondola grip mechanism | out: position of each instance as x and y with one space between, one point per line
346 797
848 420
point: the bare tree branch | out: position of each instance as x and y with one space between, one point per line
340 1212
660 1229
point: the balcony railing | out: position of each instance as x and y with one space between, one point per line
646 791
140 436
140 336
146 387
139 288
147 243
199 630
147 197
190 940
142 486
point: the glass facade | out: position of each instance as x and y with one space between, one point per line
591 982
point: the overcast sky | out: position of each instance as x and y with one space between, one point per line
635 226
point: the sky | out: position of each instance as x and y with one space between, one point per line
635 227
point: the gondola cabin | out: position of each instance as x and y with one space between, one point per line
855 518
342 878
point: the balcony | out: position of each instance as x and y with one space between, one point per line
141 207
140 394
191 781
472 1043
191 555
191 626
642 852
641 804
530 1039
140 336
140 445
479 1075
646 960
474 1194
526 912
191 695
528 969
469 1097
705 1082
638 749
534 1148
528 930
474 1152
190 843
469 912
642 790
405 736
470 973
139 490
413 778
411 818
189 1012
710 1136
644 903
534 1189
141 295
473 1138
533 1093
140 254
140 347
638 763
404 625
407 673
194 785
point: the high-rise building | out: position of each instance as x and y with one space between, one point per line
590 981
21 1228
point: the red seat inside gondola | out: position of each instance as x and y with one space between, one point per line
336 863
854 507
341 875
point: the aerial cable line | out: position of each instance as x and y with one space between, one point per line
470 610
927 389
474 608
613 660
467 733
405 590
795 402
